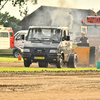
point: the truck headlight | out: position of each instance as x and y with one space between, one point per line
26 50
53 51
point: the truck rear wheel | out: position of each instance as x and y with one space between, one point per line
92 56
60 63
72 62
43 64
26 63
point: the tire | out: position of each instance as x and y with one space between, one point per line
92 55
43 64
27 63
68 65
72 62
60 63
16 53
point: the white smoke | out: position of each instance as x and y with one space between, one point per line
71 22
58 18
67 3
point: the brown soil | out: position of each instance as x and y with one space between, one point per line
83 85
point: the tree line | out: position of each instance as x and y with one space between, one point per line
9 21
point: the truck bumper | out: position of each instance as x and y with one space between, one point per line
50 58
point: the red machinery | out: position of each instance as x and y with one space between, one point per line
11 36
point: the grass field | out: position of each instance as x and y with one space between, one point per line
12 59
47 69
9 59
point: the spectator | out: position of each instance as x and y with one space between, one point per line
84 39
57 35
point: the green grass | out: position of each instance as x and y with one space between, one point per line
12 59
47 69
9 59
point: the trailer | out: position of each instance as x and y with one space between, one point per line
10 44
6 41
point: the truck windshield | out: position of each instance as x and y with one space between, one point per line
44 34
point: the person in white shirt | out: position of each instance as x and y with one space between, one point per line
57 35
39 34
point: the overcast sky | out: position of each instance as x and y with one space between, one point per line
82 4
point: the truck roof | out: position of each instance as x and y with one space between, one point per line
47 27
4 30
23 31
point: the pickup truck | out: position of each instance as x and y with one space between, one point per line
20 38
53 46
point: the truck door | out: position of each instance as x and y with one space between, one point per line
66 46
19 40
12 39
4 40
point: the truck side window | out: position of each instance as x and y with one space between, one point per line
11 34
3 34
64 35
20 37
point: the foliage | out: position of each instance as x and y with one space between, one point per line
21 4
9 21
9 59
47 69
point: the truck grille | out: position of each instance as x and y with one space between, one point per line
39 51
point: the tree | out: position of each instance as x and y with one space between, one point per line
17 2
8 21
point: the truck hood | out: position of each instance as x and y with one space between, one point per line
41 45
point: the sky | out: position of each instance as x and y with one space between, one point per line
80 4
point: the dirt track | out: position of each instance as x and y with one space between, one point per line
48 86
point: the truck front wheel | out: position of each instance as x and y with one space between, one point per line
60 63
27 63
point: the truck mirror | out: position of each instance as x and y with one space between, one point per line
68 38
64 37
26 37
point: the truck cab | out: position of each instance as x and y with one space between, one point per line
52 47
19 39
